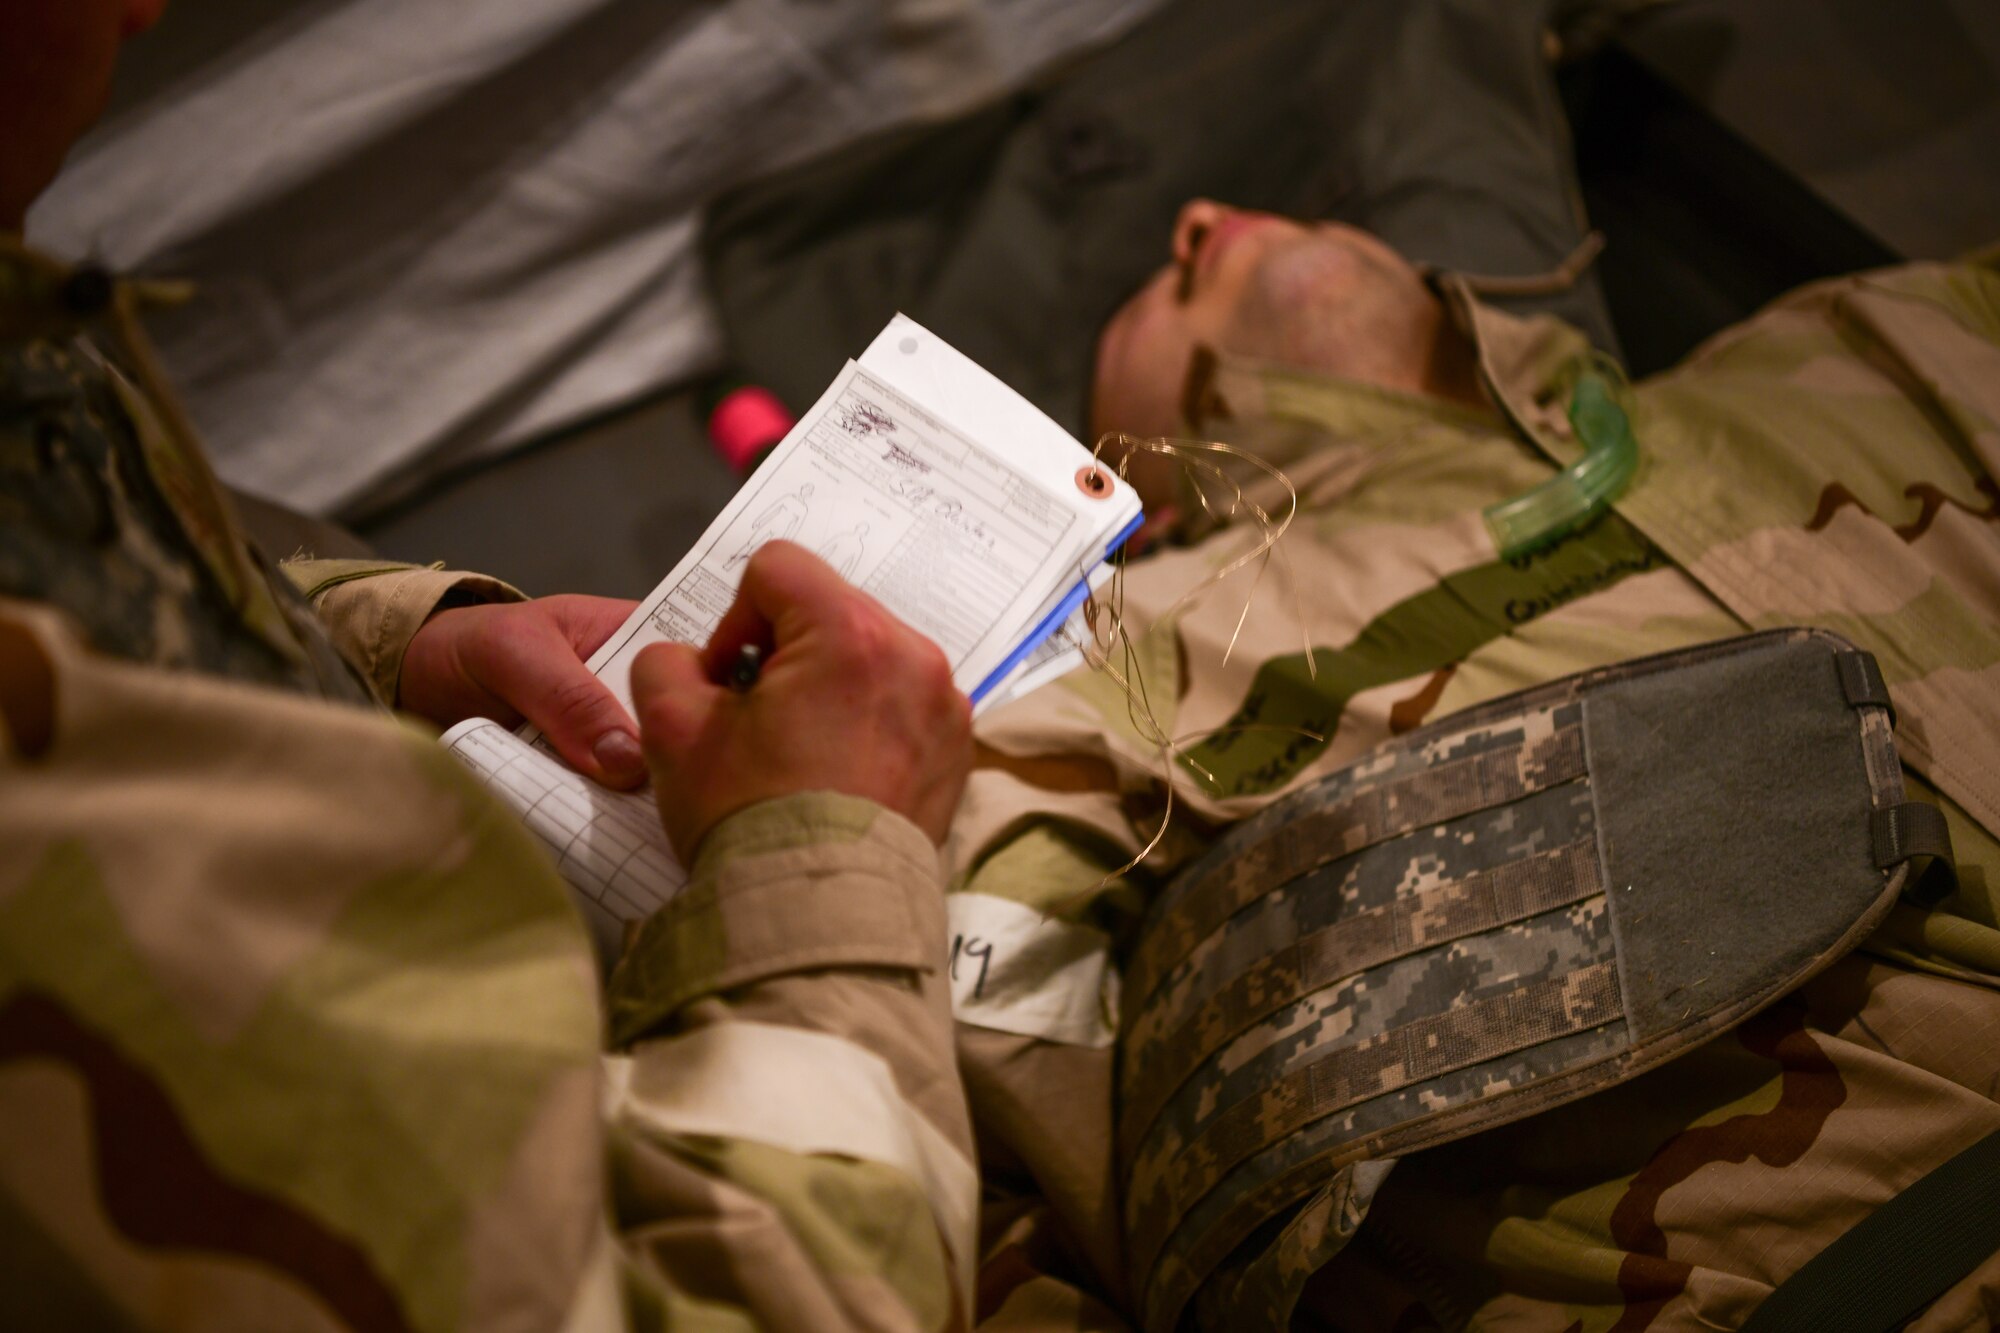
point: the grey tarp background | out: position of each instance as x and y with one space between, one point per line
425 230
1014 231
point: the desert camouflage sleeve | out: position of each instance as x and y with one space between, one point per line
297 1025
373 608
789 1144
298 1029
789 1140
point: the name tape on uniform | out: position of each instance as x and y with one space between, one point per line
1015 970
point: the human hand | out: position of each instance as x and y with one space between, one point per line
850 700
515 660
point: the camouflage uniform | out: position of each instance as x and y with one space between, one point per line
298 1028
1829 463
372 1096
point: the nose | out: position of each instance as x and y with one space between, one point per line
1198 217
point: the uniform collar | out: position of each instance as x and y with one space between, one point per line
1263 397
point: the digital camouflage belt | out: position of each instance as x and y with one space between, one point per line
1516 906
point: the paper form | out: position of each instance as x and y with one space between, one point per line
1055 657
923 366
971 547
607 844
958 543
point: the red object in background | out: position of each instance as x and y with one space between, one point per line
746 423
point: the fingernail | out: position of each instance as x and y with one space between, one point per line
617 753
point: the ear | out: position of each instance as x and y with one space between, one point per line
141 15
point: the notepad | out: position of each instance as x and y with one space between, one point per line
919 477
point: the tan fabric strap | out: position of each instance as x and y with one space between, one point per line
1558 279
1916 830
1861 681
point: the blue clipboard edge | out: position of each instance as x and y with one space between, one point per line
1054 619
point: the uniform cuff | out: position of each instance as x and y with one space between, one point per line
818 880
373 608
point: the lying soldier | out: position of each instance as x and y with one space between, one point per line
1828 463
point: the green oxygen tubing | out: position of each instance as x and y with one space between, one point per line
1583 490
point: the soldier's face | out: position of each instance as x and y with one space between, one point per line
56 59
1321 296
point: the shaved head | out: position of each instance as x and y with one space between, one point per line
1318 296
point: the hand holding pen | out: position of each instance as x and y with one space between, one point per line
808 684
743 672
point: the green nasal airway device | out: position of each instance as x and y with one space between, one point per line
1584 489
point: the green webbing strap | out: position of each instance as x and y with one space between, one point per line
1907 832
1900 1258
1861 681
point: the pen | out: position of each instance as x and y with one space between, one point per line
743 671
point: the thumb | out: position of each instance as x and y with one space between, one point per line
673 697
574 709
